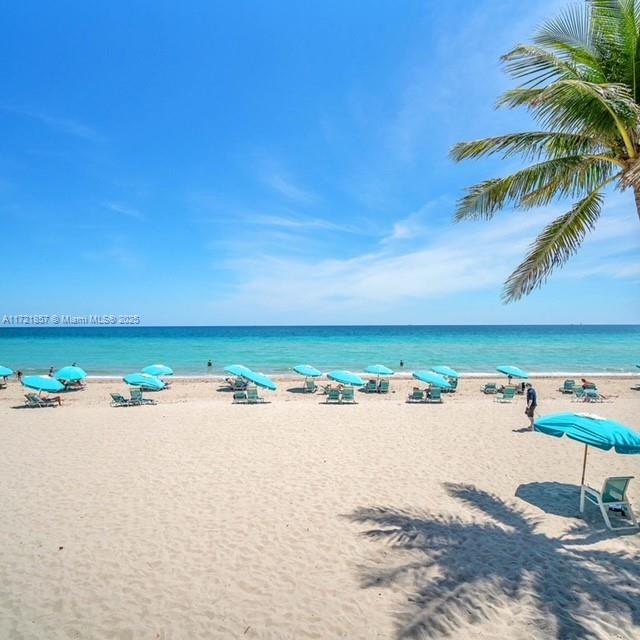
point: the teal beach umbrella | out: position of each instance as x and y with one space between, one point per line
5 372
446 371
158 370
591 430
379 370
345 377
43 383
236 369
307 370
260 379
429 377
70 374
514 372
144 381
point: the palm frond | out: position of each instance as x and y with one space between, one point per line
617 25
554 246
536 185
570 34
537 65
528 145
606 110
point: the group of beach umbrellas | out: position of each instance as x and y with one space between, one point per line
436 376
55 383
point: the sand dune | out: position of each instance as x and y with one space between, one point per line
196 518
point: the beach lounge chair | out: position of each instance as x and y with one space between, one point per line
507 395
592 395
434 395
612 497
454 385
568 386
333 395
138 398
310 386
118 400
240 397
348 396
252 396
579 395
33 400
489 387
384 386
370 387
417 395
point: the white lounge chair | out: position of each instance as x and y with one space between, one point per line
612 496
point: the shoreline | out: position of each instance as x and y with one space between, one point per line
397 376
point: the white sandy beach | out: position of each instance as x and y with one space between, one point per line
196 518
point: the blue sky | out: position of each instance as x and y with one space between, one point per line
273 163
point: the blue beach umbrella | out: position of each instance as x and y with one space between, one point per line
144 381
446 371
260 379
70 374
429 377
43 383
5 371
514 372
592 431
345 377
307 370
379 370
158 370
237 369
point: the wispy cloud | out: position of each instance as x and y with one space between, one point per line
64 125
300 223
114 253
282 184
124 210
462 258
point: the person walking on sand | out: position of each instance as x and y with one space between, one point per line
532 403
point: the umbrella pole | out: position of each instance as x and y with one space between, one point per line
584 467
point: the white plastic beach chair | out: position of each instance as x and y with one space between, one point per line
612 496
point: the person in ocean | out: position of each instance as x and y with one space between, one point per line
401 363
532 403
209 364
51 371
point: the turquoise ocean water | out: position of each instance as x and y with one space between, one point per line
470 349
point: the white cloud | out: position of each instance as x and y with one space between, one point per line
464 258
67 126
283 185
124 210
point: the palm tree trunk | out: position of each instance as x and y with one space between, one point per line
636 194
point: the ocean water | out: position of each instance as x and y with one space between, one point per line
469 349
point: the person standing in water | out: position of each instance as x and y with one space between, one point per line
209 364
401 363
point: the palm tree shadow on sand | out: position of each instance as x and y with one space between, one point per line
461 572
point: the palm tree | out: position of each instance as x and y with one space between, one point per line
581 83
